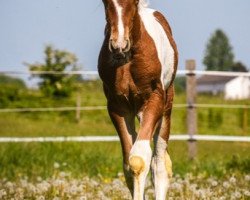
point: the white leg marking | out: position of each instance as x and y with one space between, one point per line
164 49
139 160
161 169
120 24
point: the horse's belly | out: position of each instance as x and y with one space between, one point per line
163 46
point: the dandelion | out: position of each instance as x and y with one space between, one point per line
247 193
176 186
214 183
236 195
62 174
226 185
40 198
56 165
247 178
2 193
232 180
39 179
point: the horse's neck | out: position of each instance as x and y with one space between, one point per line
137 28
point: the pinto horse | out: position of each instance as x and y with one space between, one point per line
137 64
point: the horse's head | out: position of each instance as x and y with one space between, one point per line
119 16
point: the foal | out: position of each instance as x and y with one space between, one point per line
137 64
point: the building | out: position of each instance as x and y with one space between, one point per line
232 87
238 88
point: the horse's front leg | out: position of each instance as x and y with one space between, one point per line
141 153
161 162
124 123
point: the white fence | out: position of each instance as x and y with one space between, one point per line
179 72
115 138
216 138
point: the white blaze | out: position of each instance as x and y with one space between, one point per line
120 23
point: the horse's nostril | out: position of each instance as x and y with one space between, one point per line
128 45
110 45
119 48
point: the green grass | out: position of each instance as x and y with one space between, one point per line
105 159
37 159
217 121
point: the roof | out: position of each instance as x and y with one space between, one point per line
209 79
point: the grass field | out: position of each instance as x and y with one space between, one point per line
94 170
98 166
93 159
210 120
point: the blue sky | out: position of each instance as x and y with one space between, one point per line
26 26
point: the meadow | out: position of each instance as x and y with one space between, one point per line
94 170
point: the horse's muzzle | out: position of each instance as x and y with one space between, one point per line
119 48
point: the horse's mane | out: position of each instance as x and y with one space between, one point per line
143 3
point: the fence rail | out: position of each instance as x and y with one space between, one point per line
190 72
179 72
88 108
215 138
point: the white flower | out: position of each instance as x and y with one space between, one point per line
236 195
176 186
39 179
232 180
247 193
82 198
247 177
214 183
62 174
40 198
9 185
226 185
2 193
56 165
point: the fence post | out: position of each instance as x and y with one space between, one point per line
191 110
78 106
245 120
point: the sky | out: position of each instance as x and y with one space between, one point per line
27 26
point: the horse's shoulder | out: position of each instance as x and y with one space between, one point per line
163 21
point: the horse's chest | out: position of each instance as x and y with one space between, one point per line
124 84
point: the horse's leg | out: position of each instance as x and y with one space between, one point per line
125 127
141 154
161 163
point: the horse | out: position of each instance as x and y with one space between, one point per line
137 65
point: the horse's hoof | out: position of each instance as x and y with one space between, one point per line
137 165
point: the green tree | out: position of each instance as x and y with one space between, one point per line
218 55
11 89
56 85
239 67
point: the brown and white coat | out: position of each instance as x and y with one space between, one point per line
137 64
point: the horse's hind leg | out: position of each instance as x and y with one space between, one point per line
161 164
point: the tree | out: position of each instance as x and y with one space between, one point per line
8 80
56 85
11 89
239 67
218 55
